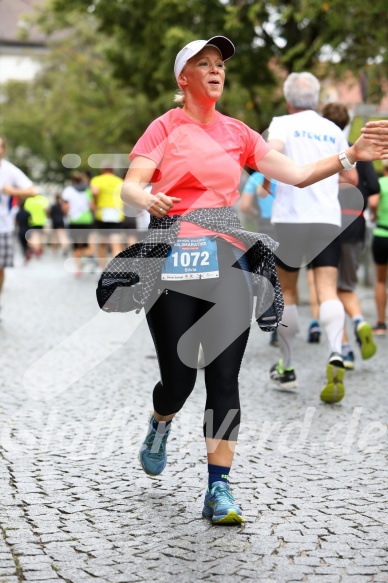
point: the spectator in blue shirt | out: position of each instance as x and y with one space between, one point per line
257 200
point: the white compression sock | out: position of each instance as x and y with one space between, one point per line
287 335
332 318
358 319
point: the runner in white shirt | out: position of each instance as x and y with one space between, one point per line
307 223
13 182
306 136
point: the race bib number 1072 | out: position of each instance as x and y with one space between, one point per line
191 258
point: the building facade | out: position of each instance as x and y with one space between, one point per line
21 45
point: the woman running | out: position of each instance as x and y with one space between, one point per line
193 156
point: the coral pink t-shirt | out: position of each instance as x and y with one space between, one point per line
199 163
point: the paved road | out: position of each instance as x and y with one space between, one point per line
76 507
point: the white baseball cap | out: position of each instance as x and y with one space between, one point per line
223 44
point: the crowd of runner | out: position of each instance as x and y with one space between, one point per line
301 175
88 220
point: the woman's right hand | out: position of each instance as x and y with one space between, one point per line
161 204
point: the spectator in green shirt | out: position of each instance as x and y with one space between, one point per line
37 207
380 250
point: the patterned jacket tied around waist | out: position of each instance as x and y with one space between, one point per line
127 282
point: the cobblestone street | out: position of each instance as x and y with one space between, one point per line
76 389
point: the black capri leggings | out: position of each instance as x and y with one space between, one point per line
216 313
380 250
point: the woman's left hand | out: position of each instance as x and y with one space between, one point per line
368 149
377 131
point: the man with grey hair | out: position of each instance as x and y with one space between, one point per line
307 224
301 91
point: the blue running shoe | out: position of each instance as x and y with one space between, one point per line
153 454
314 332
220 505
349 359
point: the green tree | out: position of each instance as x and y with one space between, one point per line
147 36
74 105
112 73
298 34
302 32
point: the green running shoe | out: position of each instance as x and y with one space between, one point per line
364 337
334 390
220 505
283 377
